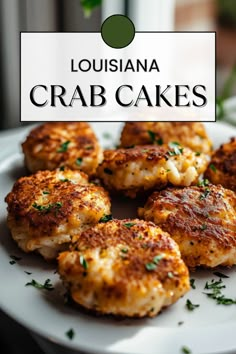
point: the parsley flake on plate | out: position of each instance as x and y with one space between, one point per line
15 258
190 306
70 333
185 350
220 275
216 286
192 283
47 285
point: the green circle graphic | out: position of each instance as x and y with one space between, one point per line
118 31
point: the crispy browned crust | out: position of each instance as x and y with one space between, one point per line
136 133
43 144
143 240
64 200
140 168
201 217
223 170
150 153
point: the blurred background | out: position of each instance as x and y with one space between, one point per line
70 15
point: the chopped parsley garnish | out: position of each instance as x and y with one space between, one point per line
106 218
203 227
220 275
153 138
70 333
46 192
83 262
216 286
89 147
185 350
192 283
62 168
124 250
212 167
129 224
108 171
190 306
176 149
157 259
152 265
205 194
47 285
64 180
203 183
64 146
197 153
79 161
159 141
47 208
15 258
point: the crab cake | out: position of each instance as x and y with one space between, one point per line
45 210
52 145
192 135
142 168
125 268
202 220
222 168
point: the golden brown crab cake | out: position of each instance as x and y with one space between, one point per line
45 210
53 145
202 220
142 168
192 135
222 167
124 268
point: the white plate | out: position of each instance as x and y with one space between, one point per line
210 328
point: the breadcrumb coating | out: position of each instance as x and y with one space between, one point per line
202 220
125 268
